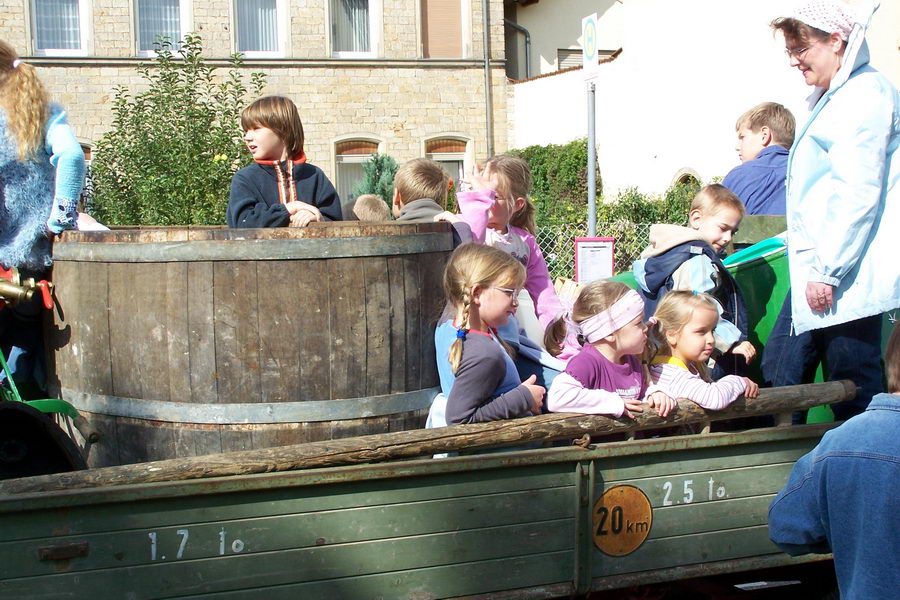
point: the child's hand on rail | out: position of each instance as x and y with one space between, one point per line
661 402
537 394
752 389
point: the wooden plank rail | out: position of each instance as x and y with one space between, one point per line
425 442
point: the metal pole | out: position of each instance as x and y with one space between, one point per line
488 92
592 163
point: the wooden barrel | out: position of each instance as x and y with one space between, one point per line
179 342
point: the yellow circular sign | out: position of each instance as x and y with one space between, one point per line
622 520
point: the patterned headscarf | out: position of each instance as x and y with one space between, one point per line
827 15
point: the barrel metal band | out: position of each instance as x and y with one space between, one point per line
252 413
253 249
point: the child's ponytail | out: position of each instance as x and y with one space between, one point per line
555 335
655 339
524 218
24 100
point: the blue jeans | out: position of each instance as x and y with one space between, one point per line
22 342
544 374
850 351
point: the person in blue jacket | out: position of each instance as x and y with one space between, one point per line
41 176
843 207
844 497
279 189
765 135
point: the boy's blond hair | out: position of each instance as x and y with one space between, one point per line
25 101
422 178
714 197
280 115
776 117
371 207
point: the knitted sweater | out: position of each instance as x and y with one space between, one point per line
28 190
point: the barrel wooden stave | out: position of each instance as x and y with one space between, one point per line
213 332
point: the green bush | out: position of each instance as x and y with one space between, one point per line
172 149
560 181
378 178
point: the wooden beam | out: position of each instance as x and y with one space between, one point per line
425 442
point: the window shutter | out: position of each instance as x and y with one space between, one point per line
442 28
567 58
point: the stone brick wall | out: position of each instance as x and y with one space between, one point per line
399 98
112 28
13 25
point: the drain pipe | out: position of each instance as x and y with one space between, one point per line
488 92
519 28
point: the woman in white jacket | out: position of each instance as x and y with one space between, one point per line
843 195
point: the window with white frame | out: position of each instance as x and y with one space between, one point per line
87 191
160 19
258 25
353 27
60 27
349 158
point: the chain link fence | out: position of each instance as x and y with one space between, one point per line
557 242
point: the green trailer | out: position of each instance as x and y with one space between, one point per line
539 523
376 517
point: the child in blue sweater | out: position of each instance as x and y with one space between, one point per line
279 189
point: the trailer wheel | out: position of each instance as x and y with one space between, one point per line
32 444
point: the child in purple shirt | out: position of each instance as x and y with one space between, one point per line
606 376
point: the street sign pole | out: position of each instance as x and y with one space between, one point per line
592 161
591 68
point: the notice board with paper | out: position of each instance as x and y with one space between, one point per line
594 258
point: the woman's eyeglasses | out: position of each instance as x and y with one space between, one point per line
796 52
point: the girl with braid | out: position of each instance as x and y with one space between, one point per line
478 376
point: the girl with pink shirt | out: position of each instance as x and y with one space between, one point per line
606 376
681 333
498 211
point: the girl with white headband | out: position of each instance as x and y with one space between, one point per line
605 377
681 339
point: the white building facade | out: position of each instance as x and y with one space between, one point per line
667 104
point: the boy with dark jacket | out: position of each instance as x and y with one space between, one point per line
686 258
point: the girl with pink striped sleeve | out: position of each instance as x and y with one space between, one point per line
682 332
